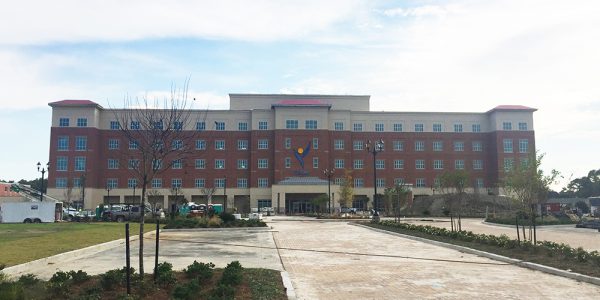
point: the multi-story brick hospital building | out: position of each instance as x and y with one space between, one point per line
271 151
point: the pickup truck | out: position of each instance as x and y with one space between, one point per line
122 213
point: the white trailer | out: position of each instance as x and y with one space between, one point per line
30 212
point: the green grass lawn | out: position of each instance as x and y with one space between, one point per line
20 243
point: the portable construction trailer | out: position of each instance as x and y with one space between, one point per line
30 212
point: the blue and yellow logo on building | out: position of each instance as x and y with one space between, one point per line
301 153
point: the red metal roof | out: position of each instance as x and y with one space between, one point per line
74 103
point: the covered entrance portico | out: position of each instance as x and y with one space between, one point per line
295 195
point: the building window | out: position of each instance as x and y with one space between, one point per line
157 164
288 162
219 182
438 164
358 145
459 146
177 145
338 126
263 182
131 183
523 146
263 163
359 182
522 126
134 125
81 122
199 182
264 203
477 146
358 164
113 164
263 125
112 183
357 127
524 162
176 183
420 164
288 143
242 183
178 126
459 164
338 181
398 145
177 164
477 164
200 145
315 162
242 144
438 146
338 144
219 164
398 181
63 122
508 145
379 127
220 126
133 164
437 127
81 143
200 163
310 124
397 127
133 145
398 164
77 182
61 183
506 126
61 163
476 127
220 145
508 164
113 144
114 125
380 164
339 164
380 182
243 126
479 183
419 146
242 164
458 128
291 124
156 183
200 126
315 143
263 144
79 163
419 127
63 143
420 182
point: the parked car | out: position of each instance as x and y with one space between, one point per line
595 224
121 213
348 210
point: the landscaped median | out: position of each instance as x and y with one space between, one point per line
21 243
560 256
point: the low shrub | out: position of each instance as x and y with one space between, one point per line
59 283
227 217
11 290
166 276
223 291
79 276
200 270
113 278
28 280
233 274
187 291
215 221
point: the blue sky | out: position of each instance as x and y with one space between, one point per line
408 55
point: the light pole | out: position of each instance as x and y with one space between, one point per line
108 191
329 173
374 148
225 194
43 171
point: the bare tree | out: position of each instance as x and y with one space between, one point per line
209 192
162 134
454 184
346 190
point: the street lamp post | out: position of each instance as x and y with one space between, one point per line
225 194
374 148
43 171
328 173
108 191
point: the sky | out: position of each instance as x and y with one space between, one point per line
408 55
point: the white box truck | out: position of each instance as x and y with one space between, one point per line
30 212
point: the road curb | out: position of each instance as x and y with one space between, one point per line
289 287
214 229
513 261
18 269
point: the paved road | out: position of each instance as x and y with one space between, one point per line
334 260
589 239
